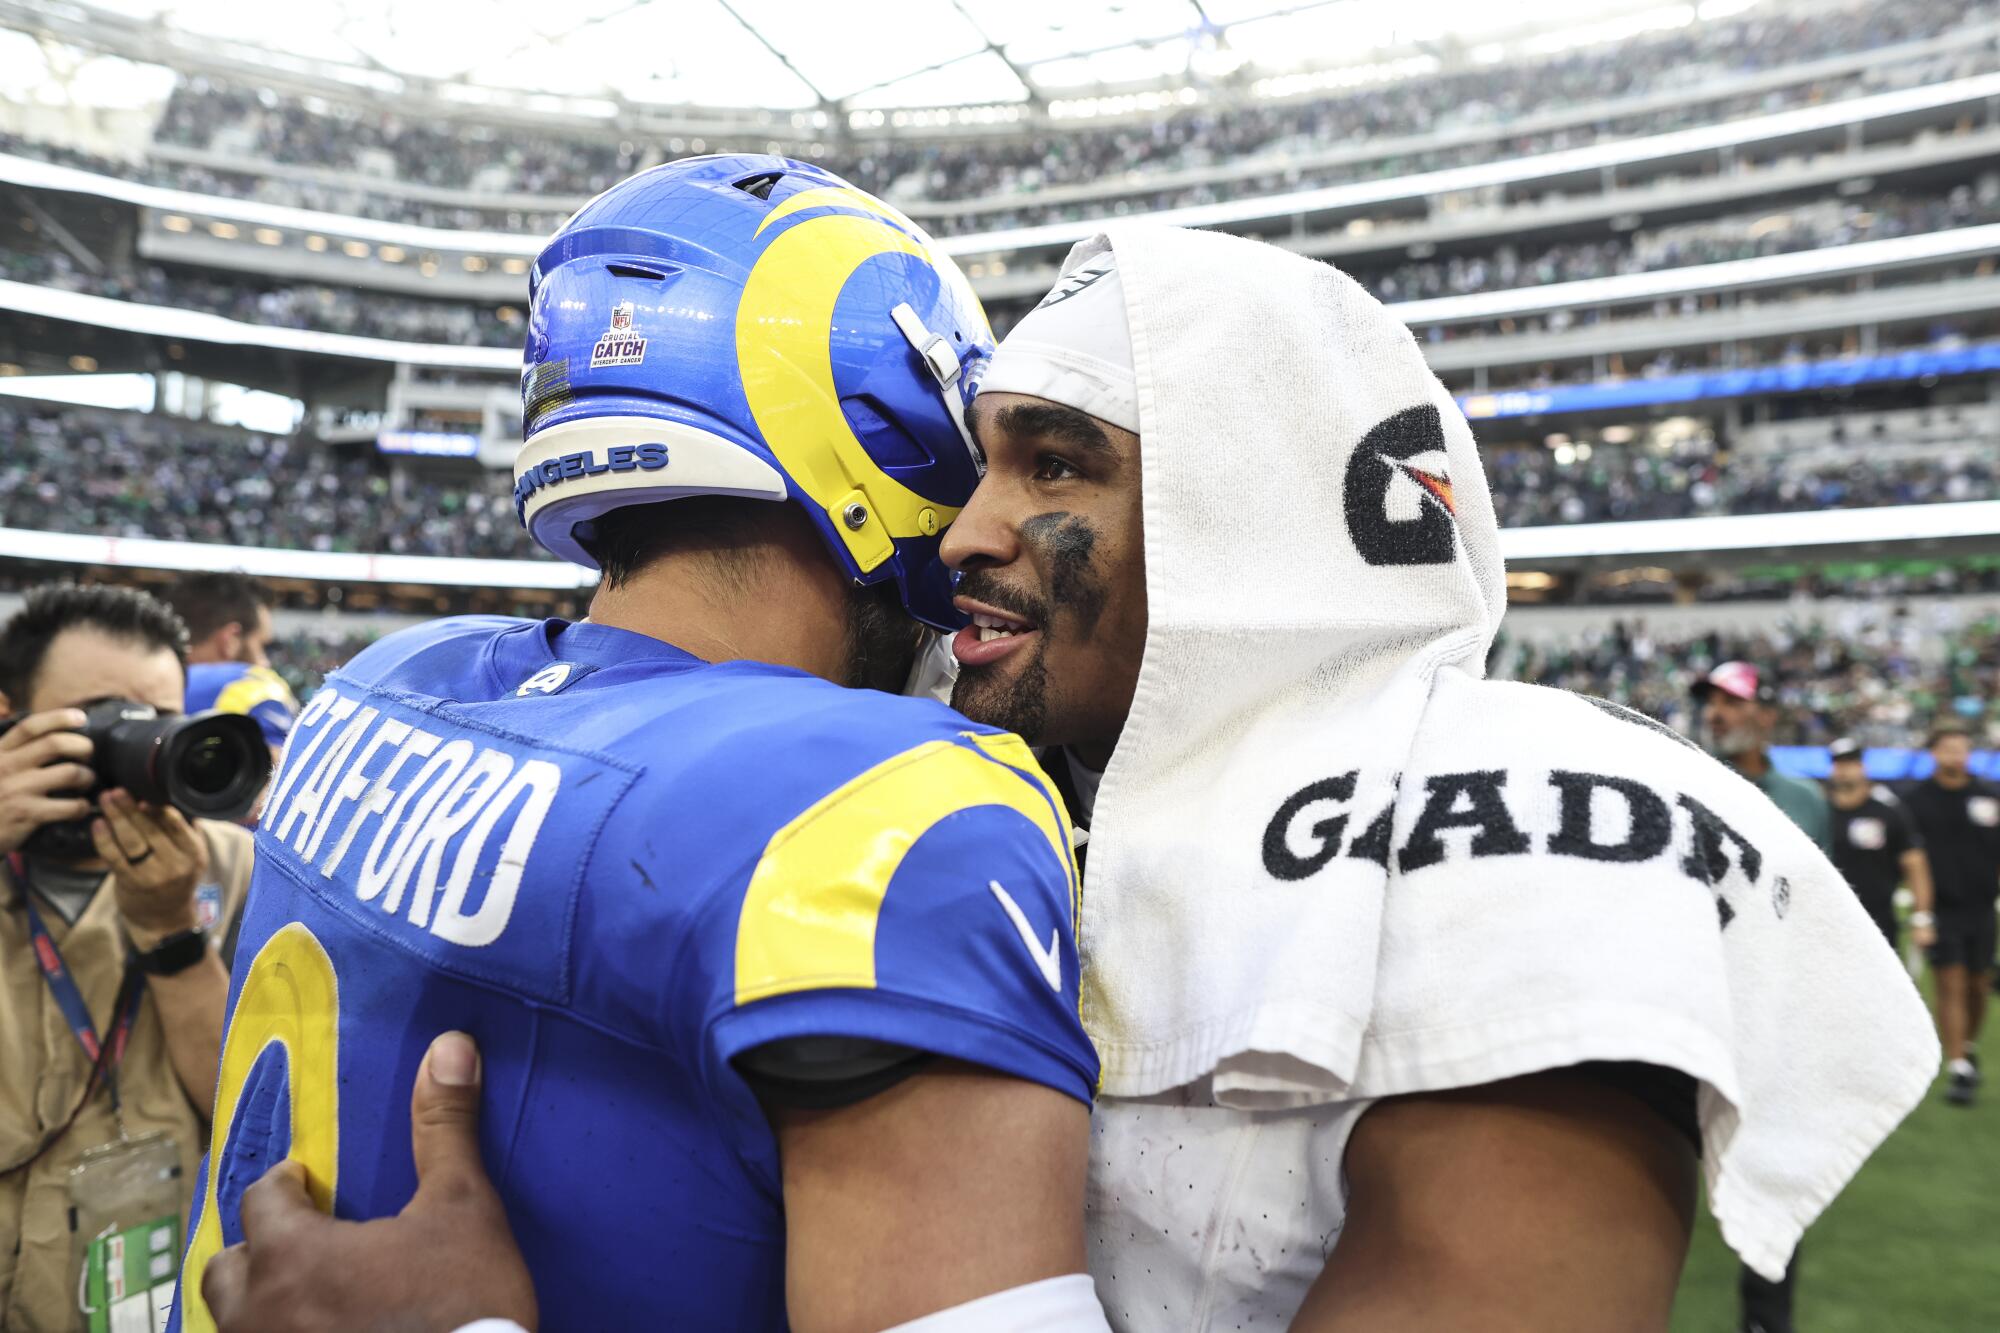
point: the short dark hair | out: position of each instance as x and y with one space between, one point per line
723 527
210 600
1948 727
124 613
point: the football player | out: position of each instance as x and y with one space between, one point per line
774 982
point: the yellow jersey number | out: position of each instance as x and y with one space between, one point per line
289 997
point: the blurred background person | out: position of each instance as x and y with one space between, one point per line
1877 848
1738 713
1958 817
112 989
228 618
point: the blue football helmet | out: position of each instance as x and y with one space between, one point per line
757 327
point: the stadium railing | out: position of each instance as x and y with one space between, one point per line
274 562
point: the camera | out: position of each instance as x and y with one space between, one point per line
209 766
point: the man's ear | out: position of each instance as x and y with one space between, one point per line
230 640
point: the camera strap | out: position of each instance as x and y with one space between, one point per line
104 1055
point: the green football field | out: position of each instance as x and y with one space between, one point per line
1912 1246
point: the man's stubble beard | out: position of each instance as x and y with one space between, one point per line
1020 705
1733 745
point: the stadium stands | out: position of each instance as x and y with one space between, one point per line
1881 678
185 481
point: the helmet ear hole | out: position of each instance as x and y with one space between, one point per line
887 441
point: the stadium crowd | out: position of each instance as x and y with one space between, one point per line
160 477
1883 679
1700 477
1716 240
1011 171
1737 236
153 477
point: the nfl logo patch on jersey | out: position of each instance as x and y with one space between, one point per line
207 905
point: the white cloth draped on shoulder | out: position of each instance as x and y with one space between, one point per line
1330 862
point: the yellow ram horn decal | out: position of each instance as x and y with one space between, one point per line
784 354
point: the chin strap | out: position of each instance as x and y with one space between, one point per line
936 352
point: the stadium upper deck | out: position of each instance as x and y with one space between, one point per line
1410 107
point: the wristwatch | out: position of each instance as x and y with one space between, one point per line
175 954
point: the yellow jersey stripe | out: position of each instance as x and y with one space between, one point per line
808 919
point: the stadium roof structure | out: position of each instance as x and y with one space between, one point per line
1012 59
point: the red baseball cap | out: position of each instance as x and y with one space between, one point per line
1739 680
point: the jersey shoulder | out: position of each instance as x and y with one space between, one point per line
207 680
441 658
787 767
850 865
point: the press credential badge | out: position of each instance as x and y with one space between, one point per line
125 1211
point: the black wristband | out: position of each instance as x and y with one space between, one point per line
175 954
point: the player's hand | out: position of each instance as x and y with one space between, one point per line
446 1260
1923 936
42 756
156 862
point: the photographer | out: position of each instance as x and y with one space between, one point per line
112 993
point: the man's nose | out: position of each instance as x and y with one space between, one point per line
982 535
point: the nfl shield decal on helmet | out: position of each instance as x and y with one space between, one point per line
1398 495
618 346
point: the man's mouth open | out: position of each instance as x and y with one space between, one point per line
992 635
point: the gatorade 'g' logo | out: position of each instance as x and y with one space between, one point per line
1399 504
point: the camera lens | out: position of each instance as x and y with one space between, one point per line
211 765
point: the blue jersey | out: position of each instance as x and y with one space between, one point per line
237 687
621 869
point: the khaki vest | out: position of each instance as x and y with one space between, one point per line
43 1070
